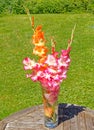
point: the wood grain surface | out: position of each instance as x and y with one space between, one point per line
71 117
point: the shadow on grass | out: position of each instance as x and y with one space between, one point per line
68 111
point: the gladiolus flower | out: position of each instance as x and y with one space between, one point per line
29 64
51 69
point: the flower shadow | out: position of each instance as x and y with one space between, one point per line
68 111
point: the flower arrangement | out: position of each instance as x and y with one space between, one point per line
50 69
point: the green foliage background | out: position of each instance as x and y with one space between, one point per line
46 6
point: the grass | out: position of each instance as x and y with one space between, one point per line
17 92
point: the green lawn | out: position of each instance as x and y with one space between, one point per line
17 92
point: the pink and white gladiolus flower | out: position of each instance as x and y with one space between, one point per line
51 69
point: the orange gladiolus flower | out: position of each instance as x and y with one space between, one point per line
42 59
39 41
40 50
43 67
38 35
33 22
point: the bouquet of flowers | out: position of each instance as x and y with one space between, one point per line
50 69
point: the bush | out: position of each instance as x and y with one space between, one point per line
46 6
13 6
17 7
91 7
